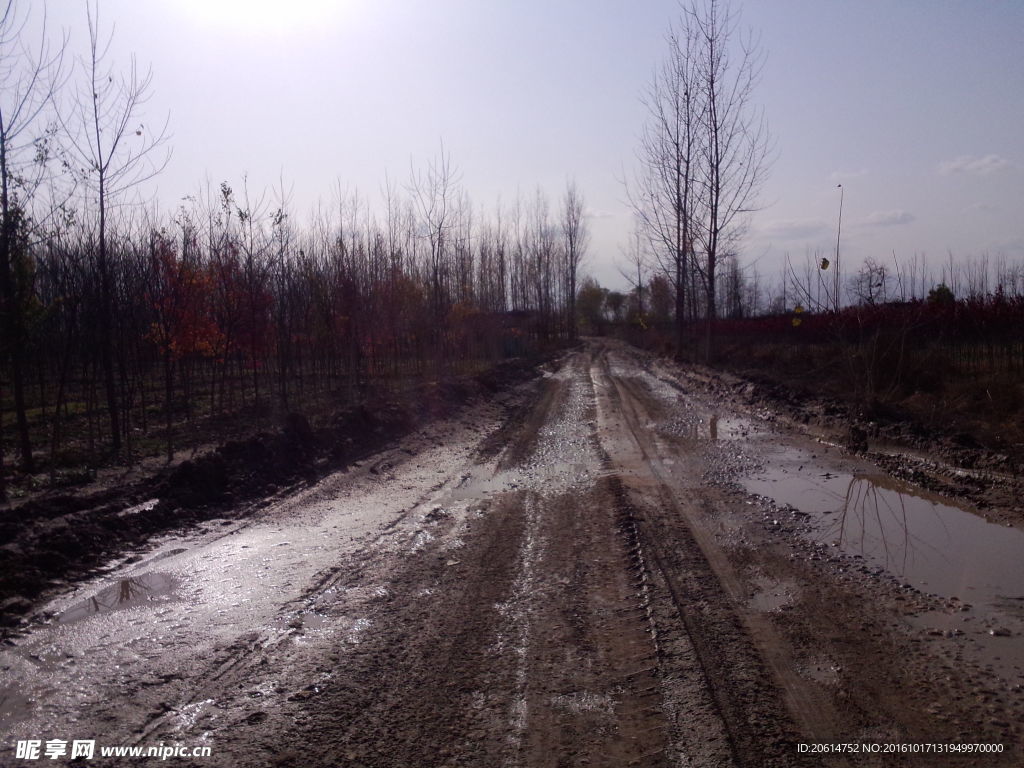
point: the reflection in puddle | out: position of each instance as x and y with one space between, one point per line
918 538
921 540
933 544
126 593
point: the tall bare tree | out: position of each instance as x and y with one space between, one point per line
703 153
112 151
575 236
436 194
28 77
664 192
735 145
542 254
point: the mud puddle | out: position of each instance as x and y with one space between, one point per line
920 539
129 592
714 427
692 417
770 595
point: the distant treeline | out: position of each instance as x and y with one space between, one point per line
231 307
120 327
897 336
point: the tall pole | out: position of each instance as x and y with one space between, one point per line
839 230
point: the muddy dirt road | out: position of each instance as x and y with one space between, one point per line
612 565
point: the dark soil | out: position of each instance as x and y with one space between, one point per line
936 454
973 419
49 540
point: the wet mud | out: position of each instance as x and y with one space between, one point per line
611 564
48 541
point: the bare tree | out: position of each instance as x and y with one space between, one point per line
703 154
575 236
636 257
435 193
28 78
664 192
871 282
112 151
735 146
542 252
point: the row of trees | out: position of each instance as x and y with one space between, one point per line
652 299
232 305
881 281
119 322
744 293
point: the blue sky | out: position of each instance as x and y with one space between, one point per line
915 107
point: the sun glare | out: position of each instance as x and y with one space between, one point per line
263 15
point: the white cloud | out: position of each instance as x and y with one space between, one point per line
795 229
842 176
598 214
975 165
888 218
980 208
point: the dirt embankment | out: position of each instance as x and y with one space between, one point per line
944 459
53 538
969 415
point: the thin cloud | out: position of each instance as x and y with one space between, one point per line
975 165
888 218
598 214
980 208
795 229
841 176
1011 247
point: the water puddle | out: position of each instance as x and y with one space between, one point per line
916 537
691 422
820 669
128 592
314 621
306 621
771 595
480 483
920 539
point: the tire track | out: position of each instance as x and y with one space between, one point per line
739 658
